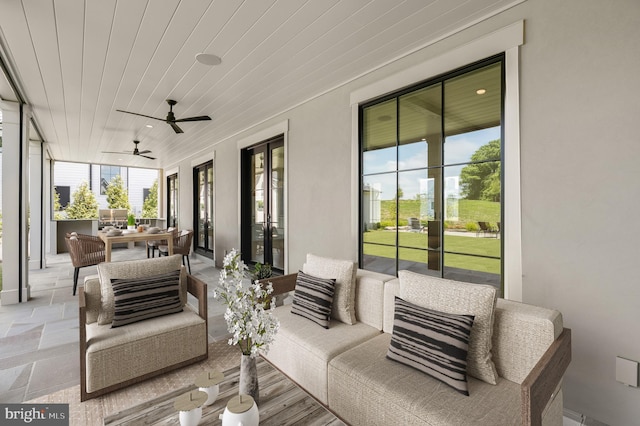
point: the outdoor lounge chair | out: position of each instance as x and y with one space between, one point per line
415 225
485 228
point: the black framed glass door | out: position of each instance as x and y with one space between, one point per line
172 200
203 209
263 210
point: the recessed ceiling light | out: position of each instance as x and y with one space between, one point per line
149 126
208 59
481 91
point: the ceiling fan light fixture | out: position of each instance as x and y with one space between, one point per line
208 59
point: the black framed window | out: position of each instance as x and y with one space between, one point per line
106 174
431 177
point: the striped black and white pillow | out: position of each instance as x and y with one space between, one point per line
138 299
433 342
313 298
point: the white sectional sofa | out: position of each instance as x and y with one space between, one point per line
345 366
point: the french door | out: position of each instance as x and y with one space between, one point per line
263 212
172 200
203 209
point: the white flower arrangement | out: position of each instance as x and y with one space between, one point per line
249 317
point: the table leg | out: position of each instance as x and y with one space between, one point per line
170 246
107 251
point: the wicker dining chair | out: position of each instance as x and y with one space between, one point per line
154 244
84 250
181 245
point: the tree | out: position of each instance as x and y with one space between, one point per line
150 205
399 194
84 204
481 180
117 195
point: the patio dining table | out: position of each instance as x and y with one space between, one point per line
132 237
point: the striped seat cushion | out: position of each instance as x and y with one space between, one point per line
313 298
138 299
433 342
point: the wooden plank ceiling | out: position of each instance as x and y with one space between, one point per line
80 60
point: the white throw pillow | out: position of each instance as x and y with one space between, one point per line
344 272
135 269
456 297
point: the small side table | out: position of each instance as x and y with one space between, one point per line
241 409
190 407
209 383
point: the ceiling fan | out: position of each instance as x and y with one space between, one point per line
171 118
135 152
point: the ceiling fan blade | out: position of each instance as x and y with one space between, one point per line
141 115
175 127
116 152
198 118
146 156
146 151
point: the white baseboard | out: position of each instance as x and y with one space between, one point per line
571 418
566 421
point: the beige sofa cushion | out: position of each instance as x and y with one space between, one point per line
302 350
365 388
135 269
344 272
115 355
459 298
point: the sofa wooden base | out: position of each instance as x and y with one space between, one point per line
84 395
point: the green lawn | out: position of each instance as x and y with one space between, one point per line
413 245
468 211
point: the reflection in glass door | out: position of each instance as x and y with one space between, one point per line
203 208
263 213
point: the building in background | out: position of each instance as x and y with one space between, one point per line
68 176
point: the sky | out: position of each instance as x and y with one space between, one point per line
458 149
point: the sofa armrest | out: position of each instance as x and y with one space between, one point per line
198 288
538 387
282 283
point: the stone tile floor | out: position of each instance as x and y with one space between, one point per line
39 339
